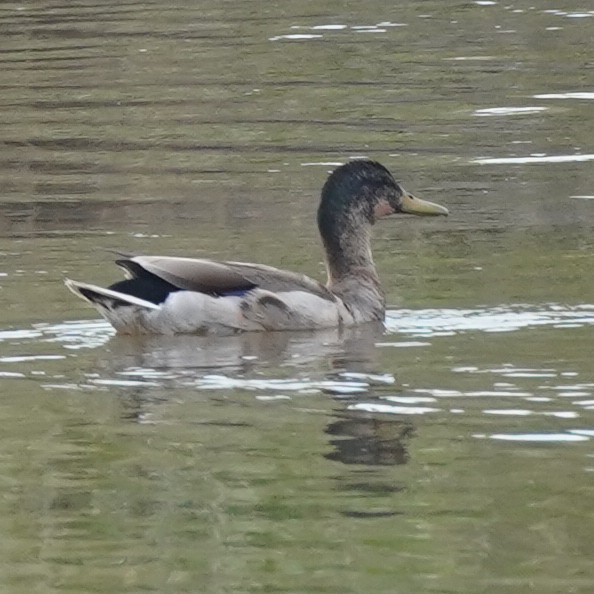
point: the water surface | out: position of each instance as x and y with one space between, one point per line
450 451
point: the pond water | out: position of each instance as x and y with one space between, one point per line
451 451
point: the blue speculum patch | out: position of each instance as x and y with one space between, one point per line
234 293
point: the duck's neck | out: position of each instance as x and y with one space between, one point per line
347 242
346 232
352 276
348 252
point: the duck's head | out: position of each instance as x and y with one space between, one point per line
367 191
354 197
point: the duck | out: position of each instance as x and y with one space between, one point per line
171 295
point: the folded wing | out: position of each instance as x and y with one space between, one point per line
220 278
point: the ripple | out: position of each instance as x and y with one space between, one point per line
521 412
223 382
11 374
352 384
76 334
506 111
154 363
403 344
571 15
446 322
19 334
369 29
422 323
376 407
576 95
533 159
535 437
409 399
26 358
510 371
372 378
518 412
296 37
334 28
586 432
123 383
470 58
573 387
328 27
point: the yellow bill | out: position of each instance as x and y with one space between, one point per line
412 205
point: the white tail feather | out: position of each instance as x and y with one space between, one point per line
101 292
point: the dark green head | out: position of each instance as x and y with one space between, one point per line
363 191
355 189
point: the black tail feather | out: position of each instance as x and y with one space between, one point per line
150 288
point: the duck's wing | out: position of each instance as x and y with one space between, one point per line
220 278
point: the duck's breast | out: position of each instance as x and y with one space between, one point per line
294 310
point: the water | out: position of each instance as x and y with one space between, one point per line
450 452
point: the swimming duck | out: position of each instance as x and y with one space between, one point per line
174 295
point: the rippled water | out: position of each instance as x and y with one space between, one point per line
450 451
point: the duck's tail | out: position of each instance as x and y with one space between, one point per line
106 300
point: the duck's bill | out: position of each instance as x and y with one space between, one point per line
412 205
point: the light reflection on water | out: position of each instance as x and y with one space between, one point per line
533 159
425 323
229 364
199 362
448 322
295 463
333 28
568 95
537 437
505 111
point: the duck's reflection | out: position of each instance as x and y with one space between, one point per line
341 347
359 439
327 357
